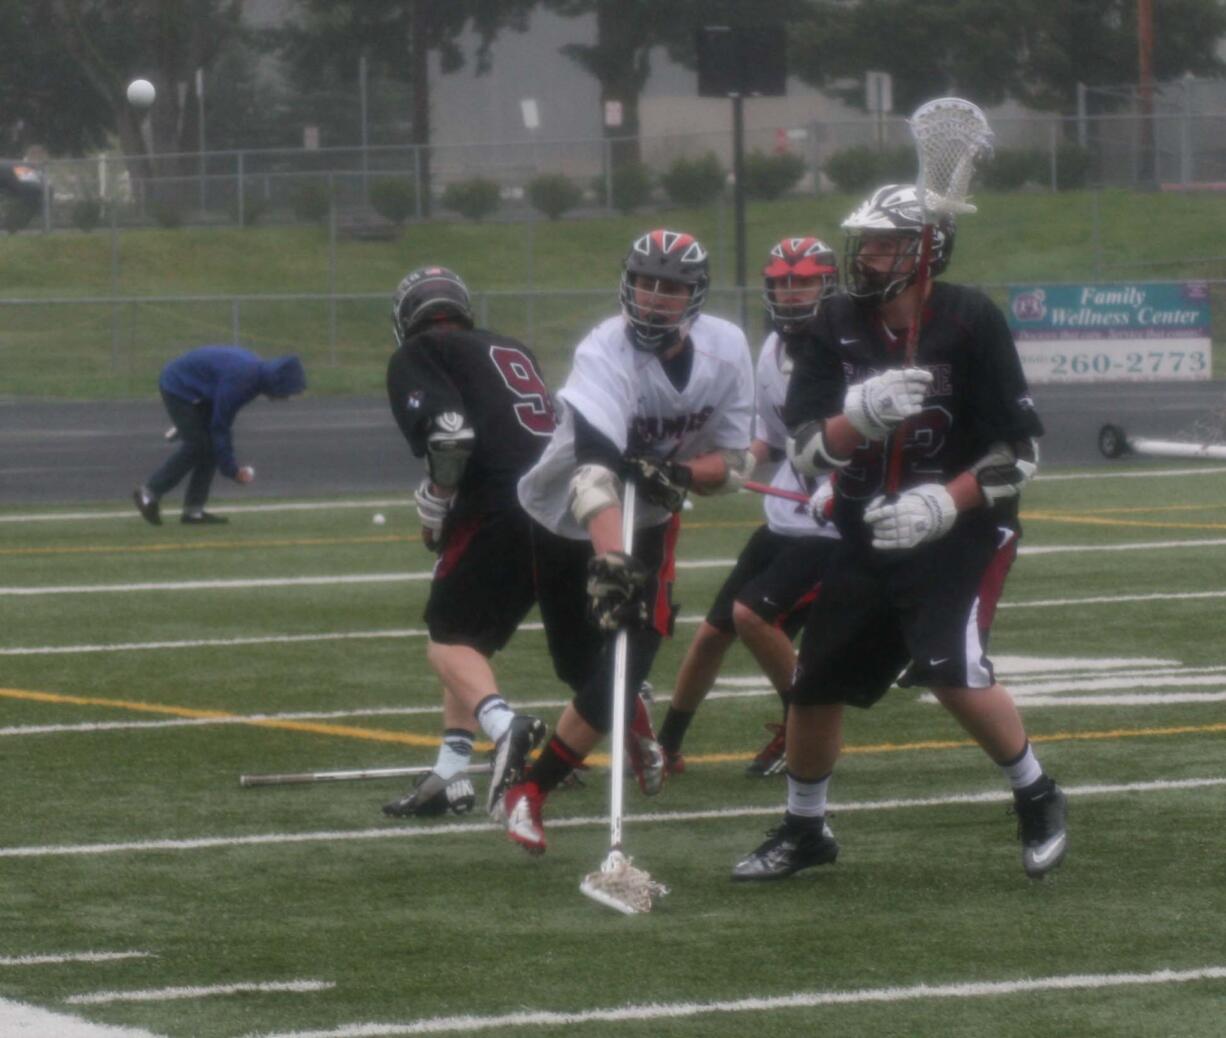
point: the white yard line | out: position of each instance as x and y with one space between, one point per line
1132 699
227 507
455 828
1077 477
1156 596
1065 549
537 1018
103 998
23 1021
48 960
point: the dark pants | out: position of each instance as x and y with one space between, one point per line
195 453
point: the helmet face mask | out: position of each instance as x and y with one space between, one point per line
663 288
800 274
881 256
428 295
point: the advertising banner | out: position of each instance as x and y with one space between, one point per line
1112 333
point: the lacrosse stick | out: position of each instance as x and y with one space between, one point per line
618 884
769 491
950 134
302 778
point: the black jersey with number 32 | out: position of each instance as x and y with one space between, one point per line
978 397
496 384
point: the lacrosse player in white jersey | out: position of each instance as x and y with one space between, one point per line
661 394
775 579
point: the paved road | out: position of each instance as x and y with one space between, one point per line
65 452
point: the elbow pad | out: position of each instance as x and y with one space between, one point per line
593 488
1006 469
807 450
739 466
448 447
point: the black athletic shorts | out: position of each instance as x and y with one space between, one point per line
581 653
776 576
930 608
482 587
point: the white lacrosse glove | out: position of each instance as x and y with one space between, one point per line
878 404
821 504
921 514
432 510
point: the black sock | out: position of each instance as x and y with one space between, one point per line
1039 787
557 760
676 724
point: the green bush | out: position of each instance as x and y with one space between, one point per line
862 168
310 201
473 199
1007 169
769 176
694 182
86 214
17 214
1073 165
631 186
167 215
553 194
255 208
394 198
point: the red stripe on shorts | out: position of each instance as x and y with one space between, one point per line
662 612
992 585
458 539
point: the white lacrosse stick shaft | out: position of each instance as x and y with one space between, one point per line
621 653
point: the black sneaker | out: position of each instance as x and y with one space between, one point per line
796 844
1041 816
202 519
510 755
433 795
148 506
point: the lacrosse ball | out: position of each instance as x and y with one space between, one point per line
141 93
378 519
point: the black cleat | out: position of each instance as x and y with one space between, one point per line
1041 826
148 506
510 755
799 843
202 518
433 795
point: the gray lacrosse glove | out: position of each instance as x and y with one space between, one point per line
921 514
878 404
615 585
663 483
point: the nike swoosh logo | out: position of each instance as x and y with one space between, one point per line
938 661
847 342
1045 854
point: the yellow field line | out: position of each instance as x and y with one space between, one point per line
412 739
1090 520
312 727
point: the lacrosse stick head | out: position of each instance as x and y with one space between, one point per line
619 885
950 135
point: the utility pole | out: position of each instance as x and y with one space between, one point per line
1145 83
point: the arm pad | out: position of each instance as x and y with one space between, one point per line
807 450
593 488
1006 469
448 447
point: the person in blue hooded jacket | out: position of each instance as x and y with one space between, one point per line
203 390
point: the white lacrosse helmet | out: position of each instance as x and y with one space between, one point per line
893 211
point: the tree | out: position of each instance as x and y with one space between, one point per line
1034 51
110 42
397 38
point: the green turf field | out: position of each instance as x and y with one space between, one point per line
115 349
132 698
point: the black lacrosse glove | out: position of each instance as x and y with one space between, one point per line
615 585
663 483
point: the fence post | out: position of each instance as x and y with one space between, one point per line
608 174
417 179
114 284
1096 234
331 270
1053 139
236 332
241 199
46 199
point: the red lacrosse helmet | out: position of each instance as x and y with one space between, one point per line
799 274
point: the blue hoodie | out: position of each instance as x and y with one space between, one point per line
229 378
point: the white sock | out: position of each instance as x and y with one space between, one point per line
454 753
494 716
807 799
1023 771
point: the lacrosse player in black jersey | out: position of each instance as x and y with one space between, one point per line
475 405
916 579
